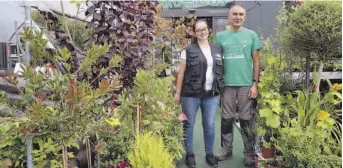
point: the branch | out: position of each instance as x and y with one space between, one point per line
61 14
65 23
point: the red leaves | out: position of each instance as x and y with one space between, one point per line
41 97
27 129
104 86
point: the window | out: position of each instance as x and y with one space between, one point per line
13 49
220 24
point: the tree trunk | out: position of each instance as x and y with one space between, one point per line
137 120
29 151
307 80
98 160
319 78
64 155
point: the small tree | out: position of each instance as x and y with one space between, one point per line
312 30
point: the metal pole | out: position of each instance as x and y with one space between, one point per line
17 41
28 25
29 151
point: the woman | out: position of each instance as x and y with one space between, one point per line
198 85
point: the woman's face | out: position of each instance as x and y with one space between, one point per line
201 31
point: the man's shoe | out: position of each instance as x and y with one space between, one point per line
249 159
190 160
223 155
211 160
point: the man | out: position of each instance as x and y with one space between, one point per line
241 76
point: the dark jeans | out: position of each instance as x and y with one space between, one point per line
190 106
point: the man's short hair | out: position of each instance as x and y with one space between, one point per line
234 5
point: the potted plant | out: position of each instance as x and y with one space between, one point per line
272 164
268 150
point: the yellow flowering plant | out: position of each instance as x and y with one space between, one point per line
336 87
313 137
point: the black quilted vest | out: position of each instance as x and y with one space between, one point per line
195 75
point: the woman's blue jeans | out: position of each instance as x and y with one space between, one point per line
190 106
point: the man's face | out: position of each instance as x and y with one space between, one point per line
237 16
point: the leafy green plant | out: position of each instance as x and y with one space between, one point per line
61 112
307 32
146 151
308 105
269 101
12 143
79 107
211 38
37 45
157 111
308 146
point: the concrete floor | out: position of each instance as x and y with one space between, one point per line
236 161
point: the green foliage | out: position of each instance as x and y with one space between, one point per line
78 31
308 105
36 17
77 2
168 57
159 113
93 53
12 144
149 152
270 108
60 111
313 28
299 123
37 45
211 38
308 148
63 111
47 147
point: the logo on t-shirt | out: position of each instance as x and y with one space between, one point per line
235 51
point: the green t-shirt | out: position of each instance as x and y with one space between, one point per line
237 55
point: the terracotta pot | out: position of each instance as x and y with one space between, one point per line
268 153
270 166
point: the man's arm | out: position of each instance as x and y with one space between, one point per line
256 65
256 48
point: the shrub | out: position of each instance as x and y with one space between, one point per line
149 152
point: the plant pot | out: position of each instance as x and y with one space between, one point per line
270 166
268 153
256 160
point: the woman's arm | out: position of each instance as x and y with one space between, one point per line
179 81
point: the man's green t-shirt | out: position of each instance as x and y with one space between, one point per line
237 55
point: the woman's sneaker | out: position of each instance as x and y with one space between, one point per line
190 160
211 160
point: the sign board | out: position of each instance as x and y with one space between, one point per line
191 3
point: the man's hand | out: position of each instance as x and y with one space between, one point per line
177 98
253 92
